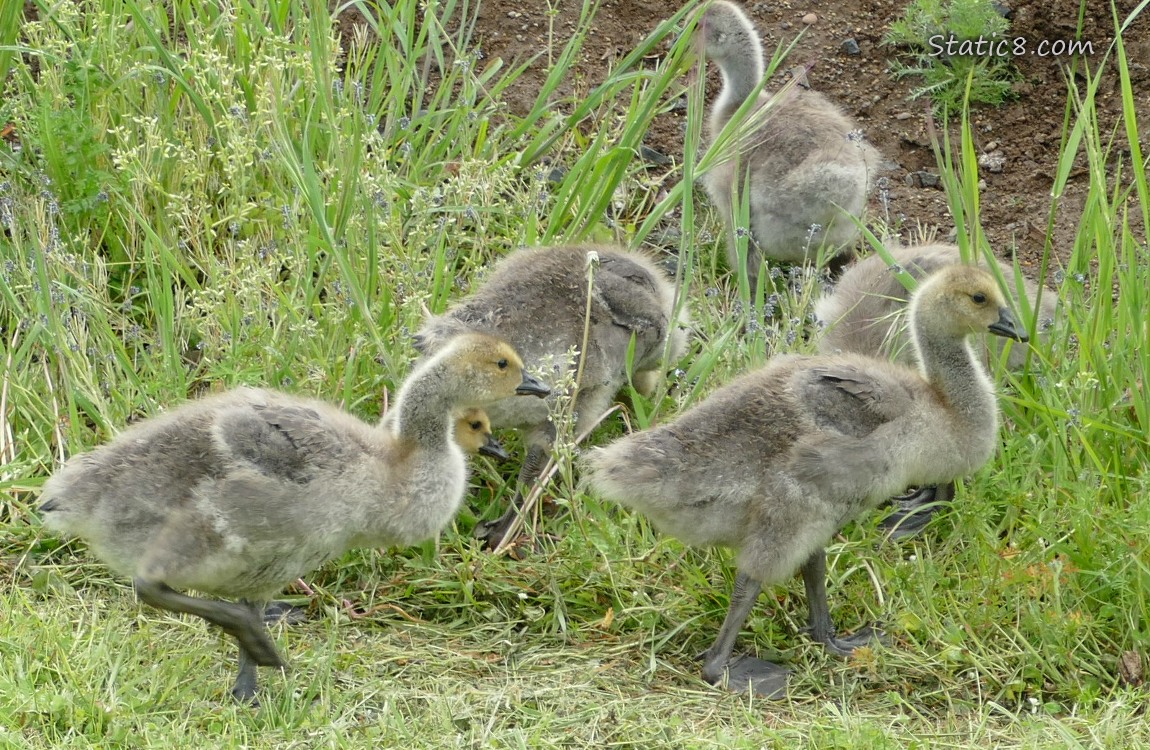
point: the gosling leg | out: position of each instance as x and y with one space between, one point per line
821 627
743 673
493 532
247 678
913 512
241 620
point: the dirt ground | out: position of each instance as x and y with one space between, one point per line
1026 132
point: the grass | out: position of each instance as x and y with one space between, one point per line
213 194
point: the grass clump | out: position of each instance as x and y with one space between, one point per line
948 43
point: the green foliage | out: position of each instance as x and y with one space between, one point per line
922 34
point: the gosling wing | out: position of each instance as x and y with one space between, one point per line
285 441
630 296
854 399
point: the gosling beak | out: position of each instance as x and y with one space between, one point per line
1007 326
494 449
532 387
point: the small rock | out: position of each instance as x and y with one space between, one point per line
1021 88
785 25
992 146
981 185
993 161
666 237
918 140
1130 668
1017 228
810 19
903 116
651 156
851 47
512 14
1002 9
924 179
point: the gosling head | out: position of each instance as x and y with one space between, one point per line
473 433
488 369
726 33
960 300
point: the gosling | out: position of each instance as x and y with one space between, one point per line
776 462
537 300
237 494
473 433
807 166
866 314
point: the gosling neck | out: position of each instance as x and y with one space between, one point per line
952 368
424 406
741 76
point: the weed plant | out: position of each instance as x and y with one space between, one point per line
930 37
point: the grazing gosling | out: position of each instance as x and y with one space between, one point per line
866 311
776 462
867 314
536 299
237 494
808 167
473 433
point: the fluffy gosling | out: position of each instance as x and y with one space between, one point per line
237 494
776 462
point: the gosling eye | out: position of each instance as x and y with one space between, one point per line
979 298
477 426
501 364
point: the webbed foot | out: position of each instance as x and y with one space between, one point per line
913 511
285 612
746 674
864 636
492 533
245 692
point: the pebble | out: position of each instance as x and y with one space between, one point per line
903 116
1017 228
924 179
810 18
851 47
994 161
1003 9
652 156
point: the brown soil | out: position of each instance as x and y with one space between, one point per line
1027 131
